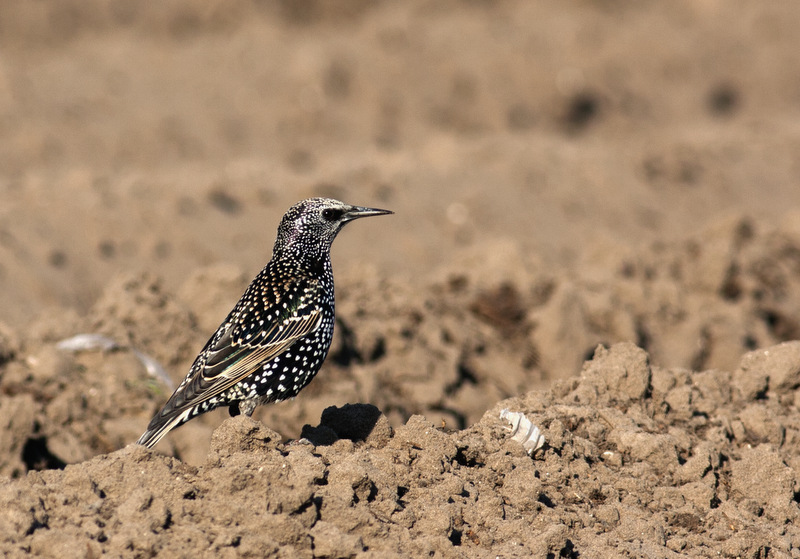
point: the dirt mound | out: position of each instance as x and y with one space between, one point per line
653 459
639 460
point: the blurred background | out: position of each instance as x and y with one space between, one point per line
167 136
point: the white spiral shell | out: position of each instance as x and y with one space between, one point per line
523 431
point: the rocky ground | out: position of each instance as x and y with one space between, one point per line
597 225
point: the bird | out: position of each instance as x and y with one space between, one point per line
274 340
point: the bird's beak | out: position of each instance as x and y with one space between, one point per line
356 212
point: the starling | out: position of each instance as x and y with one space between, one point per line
275 339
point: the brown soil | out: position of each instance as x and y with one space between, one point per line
597 225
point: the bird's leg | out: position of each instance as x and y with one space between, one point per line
247 407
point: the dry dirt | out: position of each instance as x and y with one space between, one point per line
597 225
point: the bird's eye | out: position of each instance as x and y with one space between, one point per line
331 214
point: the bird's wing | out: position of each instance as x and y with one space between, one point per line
245 344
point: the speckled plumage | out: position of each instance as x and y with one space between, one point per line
275 339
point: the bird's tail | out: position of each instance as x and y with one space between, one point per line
160 425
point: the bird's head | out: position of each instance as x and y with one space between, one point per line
314 223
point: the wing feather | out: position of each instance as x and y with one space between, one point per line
233 362
231 355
